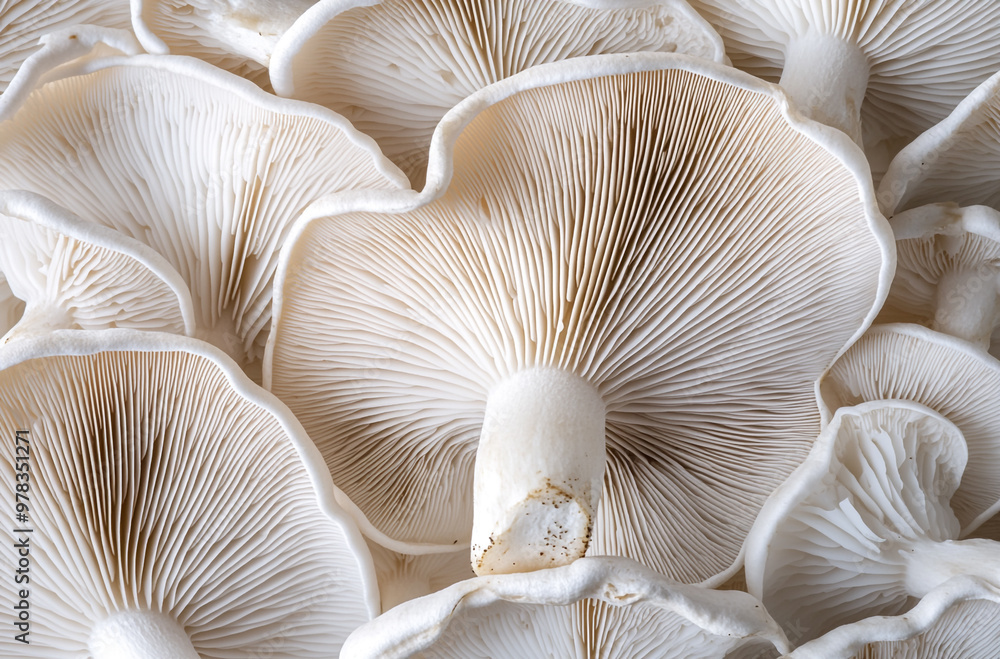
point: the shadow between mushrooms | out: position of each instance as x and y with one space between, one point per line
176 510
882 71
638 271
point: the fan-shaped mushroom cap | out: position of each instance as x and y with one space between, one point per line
26 21
958 620
236 35
952 377
79 275
596 607
403 577
170 497
202 166
633 244
853 532
947 271
956 160
395 67
887 69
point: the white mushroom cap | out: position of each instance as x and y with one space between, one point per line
202 166
26 21
78 275
887 69
947 271
395 329
843 537
960 618
170 497
952 377
596 607
234 35
395 67
956 160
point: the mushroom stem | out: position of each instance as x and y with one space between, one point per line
965 304
134 633
930 564
539 472
827 78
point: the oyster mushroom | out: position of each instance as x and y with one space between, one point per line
882 71
960 618
864 526
596 607
955 160
202 166
952 377
608 295
236 35
947 271
78 275
174 509
395 67
25 22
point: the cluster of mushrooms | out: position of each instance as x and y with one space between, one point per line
500 328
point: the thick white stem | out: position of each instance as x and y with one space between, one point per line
133 633
966 305
827 78
930 564
539 472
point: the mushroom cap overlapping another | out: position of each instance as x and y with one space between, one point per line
201 166
865 525
394 67
176 509
73 274
957 160
26 22
882 71
959 619
947 271
235 36
610 608
954 378
625 275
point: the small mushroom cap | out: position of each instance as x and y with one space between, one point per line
952 377
163 481
923 57
956 160
677 272
395 67
831 545
79 275
947 271
596 607
26 21
202 166
235 36
959 619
